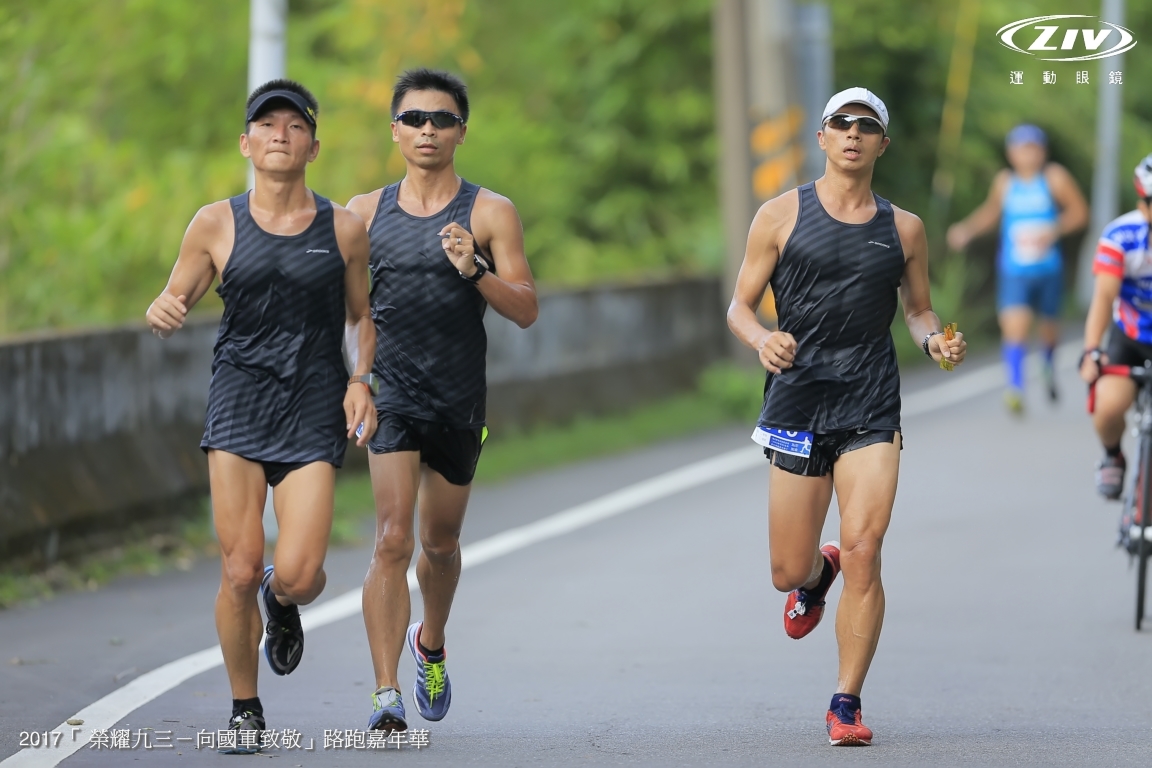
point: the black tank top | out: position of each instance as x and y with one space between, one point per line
430 340
278 374
836 293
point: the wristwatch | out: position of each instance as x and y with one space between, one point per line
924 344
370 380
481 268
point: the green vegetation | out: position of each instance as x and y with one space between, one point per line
115 127
596 118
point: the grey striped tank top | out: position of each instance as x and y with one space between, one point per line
430 340
836 292
278 375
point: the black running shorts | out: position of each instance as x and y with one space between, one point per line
445 449
826 449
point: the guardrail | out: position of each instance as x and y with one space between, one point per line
99 429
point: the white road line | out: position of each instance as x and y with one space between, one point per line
111 709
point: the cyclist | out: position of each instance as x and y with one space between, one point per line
1119 325
1036 203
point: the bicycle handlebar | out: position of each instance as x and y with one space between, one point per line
1141 374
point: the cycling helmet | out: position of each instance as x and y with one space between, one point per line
1143 178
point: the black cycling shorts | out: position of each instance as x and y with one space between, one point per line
826 449
445 449
1124 350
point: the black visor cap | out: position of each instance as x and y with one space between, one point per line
263 103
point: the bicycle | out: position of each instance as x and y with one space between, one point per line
1136 509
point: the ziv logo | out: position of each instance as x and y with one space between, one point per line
316 250
1075 41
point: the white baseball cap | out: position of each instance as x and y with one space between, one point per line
857 96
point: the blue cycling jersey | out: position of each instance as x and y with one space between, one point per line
1123 252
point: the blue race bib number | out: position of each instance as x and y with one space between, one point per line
784 441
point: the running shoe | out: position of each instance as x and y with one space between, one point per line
249 728
1110 476
1014 402
387 711
433 691
846 730
804 608
284 637
1049 374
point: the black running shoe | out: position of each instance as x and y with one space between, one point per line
284 637
1110 476
249 729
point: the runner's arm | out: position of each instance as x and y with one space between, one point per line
193 272
916 294
352 237
983 219
775 349
1066 193
496 228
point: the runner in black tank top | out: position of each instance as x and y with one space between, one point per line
430 339
835 286
443 250
836 256
293 276
278 375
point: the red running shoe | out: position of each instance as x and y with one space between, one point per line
804 609
844 732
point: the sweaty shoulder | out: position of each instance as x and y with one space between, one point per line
490 213
776 218
351 233
491 203
909 227
364 205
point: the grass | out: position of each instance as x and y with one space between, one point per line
726 394
141 553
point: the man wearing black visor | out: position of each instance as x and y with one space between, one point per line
293 271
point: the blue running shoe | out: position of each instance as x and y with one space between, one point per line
432 691
284 637
387 711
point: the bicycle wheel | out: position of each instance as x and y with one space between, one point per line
1142 507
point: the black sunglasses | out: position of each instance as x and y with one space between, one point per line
415 118
842 122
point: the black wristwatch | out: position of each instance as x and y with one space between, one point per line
370 380
924 344
1093 354
481 268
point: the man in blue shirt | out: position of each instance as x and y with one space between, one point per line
1036 202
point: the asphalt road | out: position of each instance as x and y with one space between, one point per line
655 637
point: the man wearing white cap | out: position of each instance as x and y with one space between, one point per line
1036 202
837 257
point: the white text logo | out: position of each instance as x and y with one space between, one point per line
1071 41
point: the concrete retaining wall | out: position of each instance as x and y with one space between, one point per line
102 428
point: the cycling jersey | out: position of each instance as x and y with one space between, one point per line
1123 252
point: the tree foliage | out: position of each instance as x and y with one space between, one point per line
118 120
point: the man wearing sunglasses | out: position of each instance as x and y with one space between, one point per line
442 250
1036 203
838 257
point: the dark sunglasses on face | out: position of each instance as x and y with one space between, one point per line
415 118
843 122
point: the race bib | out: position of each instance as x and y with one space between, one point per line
1032 241
784 441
